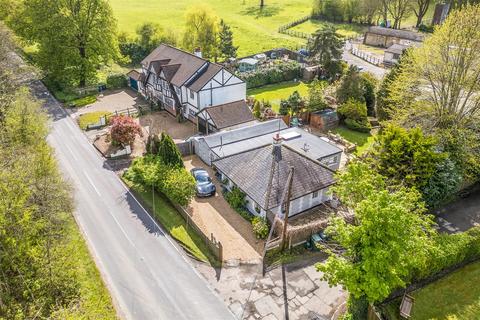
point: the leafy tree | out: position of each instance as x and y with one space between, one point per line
398 9
407 156
295 102
284 107
73 37
326 47
330 10
201 29
124 129
386 102
420 9
179 185
257 109
442 184
354 114
169 153
316 93
368 10
388 226
153 143
227 49
369 82
351 9
351 86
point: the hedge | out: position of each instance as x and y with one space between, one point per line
116 81
279 72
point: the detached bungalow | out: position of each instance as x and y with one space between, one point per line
185 84
262 174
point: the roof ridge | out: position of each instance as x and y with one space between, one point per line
184 51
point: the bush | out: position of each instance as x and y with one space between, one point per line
236 198
279 72
124 129
426 29
116 81
358 126
450 250
260 227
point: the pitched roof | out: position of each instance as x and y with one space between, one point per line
198 83
189 64
403 34
230 114
250 171
396 48
134 74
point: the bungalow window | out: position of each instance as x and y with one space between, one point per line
192 95
315 195
257 208
284 207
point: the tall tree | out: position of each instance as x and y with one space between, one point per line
201 31
168 152
227 49
388 226
326 47
398 9
73 37
420 9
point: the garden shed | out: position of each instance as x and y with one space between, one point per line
247 64
134 79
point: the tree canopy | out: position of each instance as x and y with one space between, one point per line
73 37
201 30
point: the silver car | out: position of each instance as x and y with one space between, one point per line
204 184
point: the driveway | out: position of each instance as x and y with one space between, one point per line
162 121
113 100
214 215
462 214
294 292
379 72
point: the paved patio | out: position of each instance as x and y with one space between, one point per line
113 100
290 292
162 121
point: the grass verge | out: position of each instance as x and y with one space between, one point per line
89 118
274 93
454 297
173 222
343 29
94 301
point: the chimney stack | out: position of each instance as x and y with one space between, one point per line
198 52
277 147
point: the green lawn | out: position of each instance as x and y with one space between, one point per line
454 297
344 29
90 118
173 222
253 30
359 138
276 92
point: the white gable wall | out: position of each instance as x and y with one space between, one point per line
223 88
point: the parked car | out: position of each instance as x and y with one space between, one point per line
204 184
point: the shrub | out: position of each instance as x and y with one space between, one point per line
124 129
168 152
116 81
354 113
279 72
358 126
284 108
236 198
425 28
260 227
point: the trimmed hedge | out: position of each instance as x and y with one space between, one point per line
450 250
357 126
279 72
117 81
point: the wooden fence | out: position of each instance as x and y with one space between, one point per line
185 148
213 244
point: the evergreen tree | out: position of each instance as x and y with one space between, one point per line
284 107
227 49
168 152
257 109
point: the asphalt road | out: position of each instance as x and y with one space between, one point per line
146 272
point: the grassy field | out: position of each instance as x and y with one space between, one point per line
253 30
344 29
173 222
454 297
276 92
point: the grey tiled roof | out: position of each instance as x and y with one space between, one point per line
207 75
250 172
230 114
402 34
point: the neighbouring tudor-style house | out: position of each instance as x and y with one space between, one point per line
199 90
